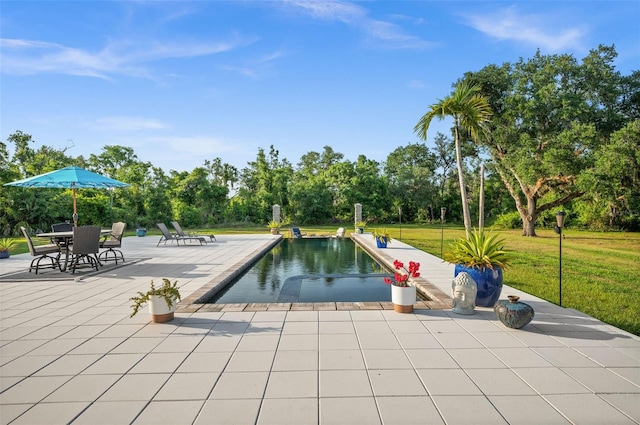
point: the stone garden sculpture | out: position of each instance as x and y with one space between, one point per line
463 292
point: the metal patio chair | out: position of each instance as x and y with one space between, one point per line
62 227
85 248
40 252
114 241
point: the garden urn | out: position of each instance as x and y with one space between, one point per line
513 313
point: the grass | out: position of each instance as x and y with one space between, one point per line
599 274
599 270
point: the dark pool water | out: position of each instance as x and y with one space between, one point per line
310 270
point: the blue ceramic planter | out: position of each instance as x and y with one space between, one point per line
381 244
489 283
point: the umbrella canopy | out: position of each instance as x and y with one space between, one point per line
70 178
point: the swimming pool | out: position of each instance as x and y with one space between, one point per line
310 270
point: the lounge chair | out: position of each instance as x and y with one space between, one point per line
184 234
295 232
86 245
114 241
168 236
40 252
340 232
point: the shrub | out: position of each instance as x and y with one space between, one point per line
511 220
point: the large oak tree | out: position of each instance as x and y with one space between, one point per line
552 116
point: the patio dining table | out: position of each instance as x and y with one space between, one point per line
66 238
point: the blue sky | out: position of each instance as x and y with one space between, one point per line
182 82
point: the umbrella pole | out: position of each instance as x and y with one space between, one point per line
75 213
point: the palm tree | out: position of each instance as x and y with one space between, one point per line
471 112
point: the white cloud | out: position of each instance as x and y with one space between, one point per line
392 36
182 152
416 84
379 33
255 68
126 124
330 10
27 57
247 72
533 29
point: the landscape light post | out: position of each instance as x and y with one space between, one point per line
560 215
400 221
443 210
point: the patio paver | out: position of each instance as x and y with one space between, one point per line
70 353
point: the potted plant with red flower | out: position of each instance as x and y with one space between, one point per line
403 292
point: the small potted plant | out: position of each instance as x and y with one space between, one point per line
162 301
483 257
5 247
360 226
382 237
274 226
403 294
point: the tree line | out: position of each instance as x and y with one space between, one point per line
553 132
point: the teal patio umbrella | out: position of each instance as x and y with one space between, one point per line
70 178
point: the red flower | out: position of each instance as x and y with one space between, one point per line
401 279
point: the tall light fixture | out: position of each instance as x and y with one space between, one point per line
560 216
443 210
400 220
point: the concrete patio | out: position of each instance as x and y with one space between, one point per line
69 353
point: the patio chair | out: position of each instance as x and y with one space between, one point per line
40 252
85 248
62 227
295 232
184 234
340 232
168 236
114 241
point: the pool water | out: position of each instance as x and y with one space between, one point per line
310 270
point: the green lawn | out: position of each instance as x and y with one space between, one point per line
599 276
599 270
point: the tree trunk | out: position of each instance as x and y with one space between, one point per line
463 190
481 207
529 219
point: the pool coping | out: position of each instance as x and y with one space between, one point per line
438 300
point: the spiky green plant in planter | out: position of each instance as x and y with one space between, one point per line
5 247
381 235
168 293
481 250
274 226
483 257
